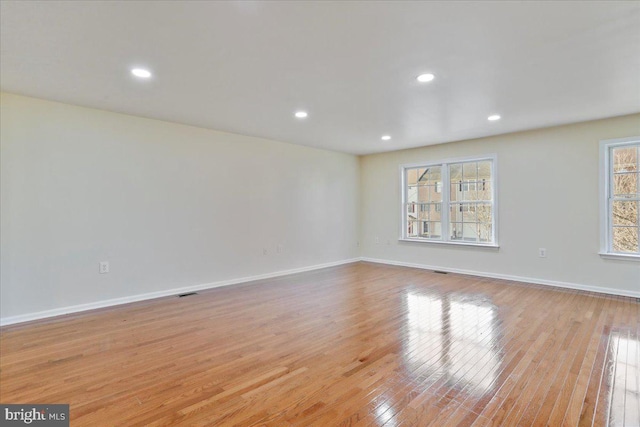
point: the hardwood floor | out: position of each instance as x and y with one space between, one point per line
356 345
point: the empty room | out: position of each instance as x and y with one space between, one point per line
320 213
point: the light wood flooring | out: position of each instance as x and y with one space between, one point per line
356 345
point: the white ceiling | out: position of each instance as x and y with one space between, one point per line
246 67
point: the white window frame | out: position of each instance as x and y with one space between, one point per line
446 188
606 184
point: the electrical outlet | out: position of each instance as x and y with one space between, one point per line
104 267
376 240
542 252
265 251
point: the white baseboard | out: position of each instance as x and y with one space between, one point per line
618 292
4 321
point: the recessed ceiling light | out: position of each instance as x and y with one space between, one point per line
141 72
494 117
423 78
385 137
301 114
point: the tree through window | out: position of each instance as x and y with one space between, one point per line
621 161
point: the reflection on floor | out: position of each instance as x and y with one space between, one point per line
356 345
623 379
453 338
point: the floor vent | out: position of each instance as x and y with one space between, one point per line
440 272
187 294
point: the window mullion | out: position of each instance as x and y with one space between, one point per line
405 204
609 219
609 223
494 196
444 214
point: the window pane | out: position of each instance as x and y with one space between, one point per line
455 173
424 229
625 184
435 210
625 213
431 193
455 231
455 194
469 212
412 176
412 212
469 191
625 159
484 212
470 171
484 170
455 212
423 193
434 174
422 176
484 190
484 233
412 194
412 228
423 213
625 239
436 195
470 232
435 229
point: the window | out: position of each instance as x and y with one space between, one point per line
620 197
466 190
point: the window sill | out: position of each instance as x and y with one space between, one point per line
441 242
626 257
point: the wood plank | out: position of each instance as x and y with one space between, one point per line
356 345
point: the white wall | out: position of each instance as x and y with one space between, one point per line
167 205
173 206
548 198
